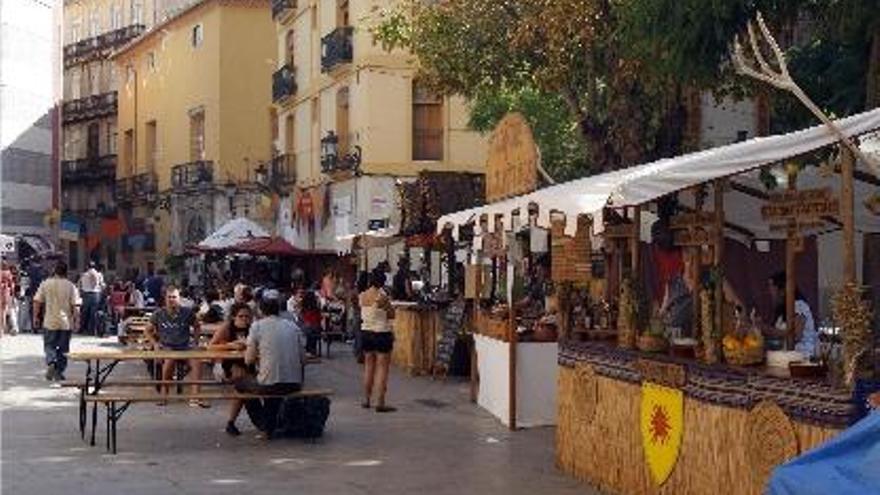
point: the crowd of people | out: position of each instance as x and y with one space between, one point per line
277 329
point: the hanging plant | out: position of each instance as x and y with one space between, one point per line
853 315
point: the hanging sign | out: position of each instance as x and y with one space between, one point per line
801 208
512 165
694 229
662 426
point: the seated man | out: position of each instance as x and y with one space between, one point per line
275 346
174 327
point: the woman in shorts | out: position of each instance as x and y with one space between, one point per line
377 340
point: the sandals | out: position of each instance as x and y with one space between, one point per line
199 403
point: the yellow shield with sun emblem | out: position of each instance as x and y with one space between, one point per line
662 424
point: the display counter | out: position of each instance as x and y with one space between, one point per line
416 330
734 424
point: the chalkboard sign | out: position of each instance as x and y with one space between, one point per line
452 321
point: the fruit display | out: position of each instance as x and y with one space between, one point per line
745 350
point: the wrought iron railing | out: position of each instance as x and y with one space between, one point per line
136 189
90 107
283 83
193 174
89 170
99 46
283 171
336 48
279 7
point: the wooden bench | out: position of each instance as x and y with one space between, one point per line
115 410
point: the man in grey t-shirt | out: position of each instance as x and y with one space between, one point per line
275 345
176 328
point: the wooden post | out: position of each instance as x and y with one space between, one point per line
847 216
477 321
790 261
718 254
512 368
634 244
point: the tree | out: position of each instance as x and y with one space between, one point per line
563 151
566 48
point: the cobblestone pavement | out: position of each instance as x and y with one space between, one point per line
437 443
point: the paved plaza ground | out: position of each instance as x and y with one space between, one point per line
437 443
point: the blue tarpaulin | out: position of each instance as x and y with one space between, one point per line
847 465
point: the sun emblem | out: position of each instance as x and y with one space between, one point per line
660 425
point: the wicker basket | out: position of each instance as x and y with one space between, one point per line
652 343
744 356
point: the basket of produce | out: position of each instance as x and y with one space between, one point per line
743 351
652 343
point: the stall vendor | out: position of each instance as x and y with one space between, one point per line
402 289
677 309
536 289
805 335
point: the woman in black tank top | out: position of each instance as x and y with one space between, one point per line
232 336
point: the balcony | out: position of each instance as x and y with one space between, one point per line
140 188
190 176
283 171
94 170
100 46
282 7
90 107
336 48
283 83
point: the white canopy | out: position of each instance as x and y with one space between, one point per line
232 233
644 183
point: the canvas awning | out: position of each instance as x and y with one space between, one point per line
643 183
232 233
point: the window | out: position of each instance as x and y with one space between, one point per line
111 138
137 11
130 74
342 120
273 123
288 46
151 146
93 149
342 13
94 79
75 83
197 134
128 152
75 30
115 16
289 134
94 23
427 115
198 36
151 61
314 18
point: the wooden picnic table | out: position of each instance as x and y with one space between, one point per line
96 374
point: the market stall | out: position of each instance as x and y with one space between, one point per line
713 402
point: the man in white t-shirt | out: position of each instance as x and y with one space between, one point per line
91 285
57 302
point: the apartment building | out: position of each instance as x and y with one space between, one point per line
93 30
353 121
193 126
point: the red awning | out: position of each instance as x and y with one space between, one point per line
271 246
